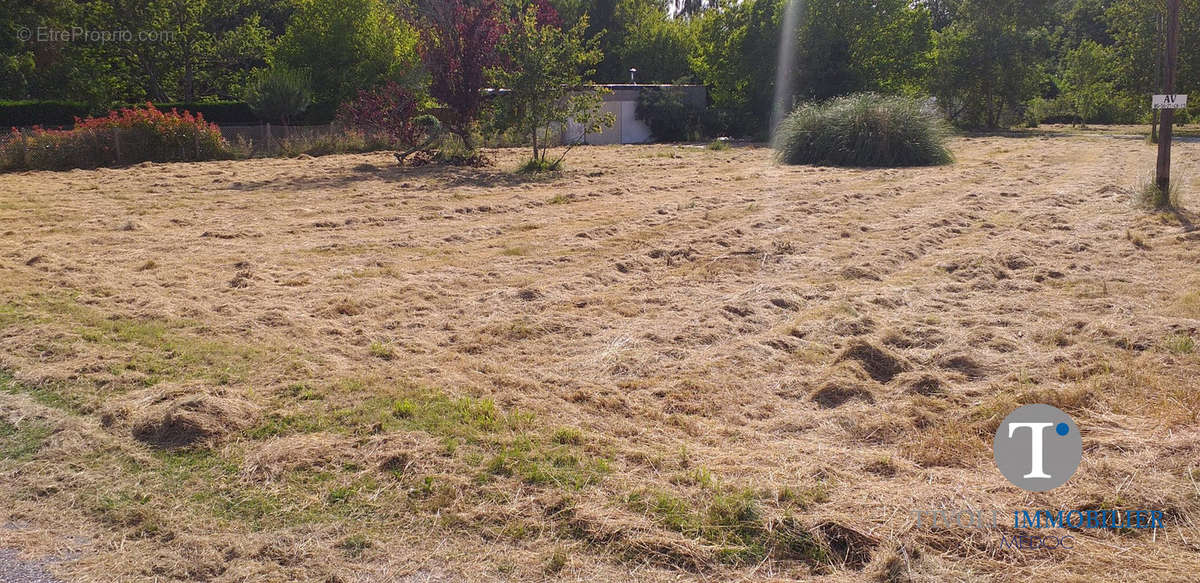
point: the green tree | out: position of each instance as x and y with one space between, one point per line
233 57
1087 79
347 45
279 93
1138 33
197 49
545 76
989 60
841 48
941 12
201 48
657 46
862 45
735 56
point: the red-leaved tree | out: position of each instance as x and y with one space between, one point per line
546 14
385 112
458 45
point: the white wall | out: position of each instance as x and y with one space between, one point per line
633 131
626 128
622 103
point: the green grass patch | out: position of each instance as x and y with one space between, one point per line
204 483
1180 344
163 350
536 464
158 349
734 521
699 476
803 497
12 314
56 397
303 392
568 436
131 510
21 441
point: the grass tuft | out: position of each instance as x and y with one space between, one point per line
864 130
382 351
536 165
355 544
568 436
557 561
1180 344
1151 196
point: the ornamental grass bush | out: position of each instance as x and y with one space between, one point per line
864 130
125 136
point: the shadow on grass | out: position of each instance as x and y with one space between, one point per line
437 176
1187 219
1121 131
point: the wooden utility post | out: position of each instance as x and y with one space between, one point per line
1162 174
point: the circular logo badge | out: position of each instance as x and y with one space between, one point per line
1037 447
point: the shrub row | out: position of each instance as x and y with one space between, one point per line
126 136
1113 109
63 113
43 113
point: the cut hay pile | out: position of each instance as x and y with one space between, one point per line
181 417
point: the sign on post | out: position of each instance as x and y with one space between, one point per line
1169 102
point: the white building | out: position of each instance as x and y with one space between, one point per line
622 103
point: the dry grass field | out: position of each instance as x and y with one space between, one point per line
665 363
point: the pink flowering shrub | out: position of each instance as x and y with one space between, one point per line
125 136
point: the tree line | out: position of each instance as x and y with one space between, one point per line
988 63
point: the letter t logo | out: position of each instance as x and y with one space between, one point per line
1035 455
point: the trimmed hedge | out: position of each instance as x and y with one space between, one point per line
219 112
122 137
865 130
16 114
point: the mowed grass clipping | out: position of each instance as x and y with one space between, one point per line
626 372
864 130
